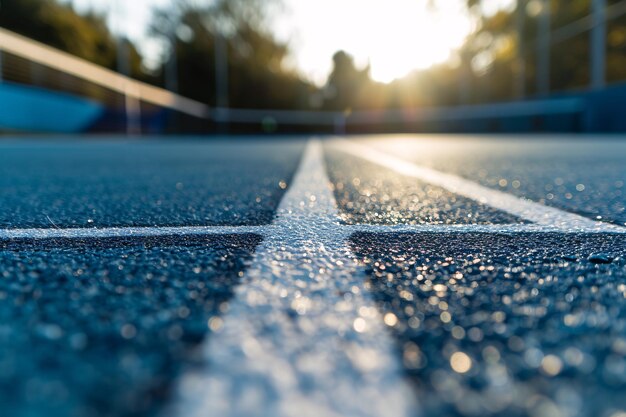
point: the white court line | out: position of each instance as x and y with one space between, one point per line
108 232
528 210
546 219
302 336
112 232
475 228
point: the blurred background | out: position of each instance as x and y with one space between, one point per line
330 66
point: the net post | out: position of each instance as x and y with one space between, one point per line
598 45
221 81
171 68
132 106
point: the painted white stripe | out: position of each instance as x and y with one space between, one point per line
99 233
525 209
302 337
86 233
471 228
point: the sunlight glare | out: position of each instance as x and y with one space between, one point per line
409 35
393 36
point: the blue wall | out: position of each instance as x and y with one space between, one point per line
606 109
598 111
35 109
39 110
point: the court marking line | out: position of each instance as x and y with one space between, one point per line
110 232
545 219
536 213
302 335
475 228
113 232
256 356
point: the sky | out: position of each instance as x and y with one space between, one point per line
393 36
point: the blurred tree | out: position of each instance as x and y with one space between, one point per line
257 71
347 85
489 66
496 45
60 26
616 47
439 85
491 52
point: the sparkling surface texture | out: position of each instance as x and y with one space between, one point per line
505 325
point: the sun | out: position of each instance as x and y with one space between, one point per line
393 36
409 35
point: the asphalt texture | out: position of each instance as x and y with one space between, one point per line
103 327
369 194
177 182
484 324
505 325
584 175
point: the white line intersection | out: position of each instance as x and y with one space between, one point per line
302 336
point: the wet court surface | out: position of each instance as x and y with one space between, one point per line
445 301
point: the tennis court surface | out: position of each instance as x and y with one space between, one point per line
360 276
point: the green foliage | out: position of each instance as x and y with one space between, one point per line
60 26
487 68
492 61
569 58
258 77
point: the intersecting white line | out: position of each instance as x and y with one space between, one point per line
539 214
302 336
112 232
108 232
476 228
545 219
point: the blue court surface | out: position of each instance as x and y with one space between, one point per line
359 276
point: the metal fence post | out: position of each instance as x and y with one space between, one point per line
340 123
543 49
465 78
520 73
598 45
132 106
221 80
131 103
171 67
